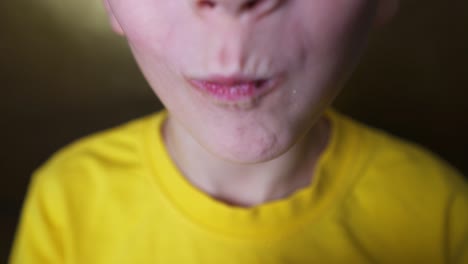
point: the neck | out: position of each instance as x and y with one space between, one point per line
246 185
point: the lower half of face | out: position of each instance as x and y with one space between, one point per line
246 89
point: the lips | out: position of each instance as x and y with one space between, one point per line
229 90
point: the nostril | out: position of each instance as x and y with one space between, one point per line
250 4
254 7
206 4
261 7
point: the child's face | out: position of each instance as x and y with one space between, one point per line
289 57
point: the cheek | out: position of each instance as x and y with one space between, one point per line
156 27
332 34
333 23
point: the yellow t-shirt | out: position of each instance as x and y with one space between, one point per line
116 197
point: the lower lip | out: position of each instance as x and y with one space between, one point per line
234 93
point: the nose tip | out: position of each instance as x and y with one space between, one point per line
237 7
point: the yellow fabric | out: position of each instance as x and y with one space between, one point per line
116 197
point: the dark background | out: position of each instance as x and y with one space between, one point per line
63 75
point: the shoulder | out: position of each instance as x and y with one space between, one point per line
85 191
404 198
113 146
394 161
97 160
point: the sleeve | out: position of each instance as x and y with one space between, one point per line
458 225
41 236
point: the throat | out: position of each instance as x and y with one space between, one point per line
249 195
249 185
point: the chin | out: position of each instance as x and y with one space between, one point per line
249 150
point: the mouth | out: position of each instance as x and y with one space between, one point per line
235 92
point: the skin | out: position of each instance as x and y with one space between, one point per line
265 149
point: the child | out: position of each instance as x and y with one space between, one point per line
248 164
